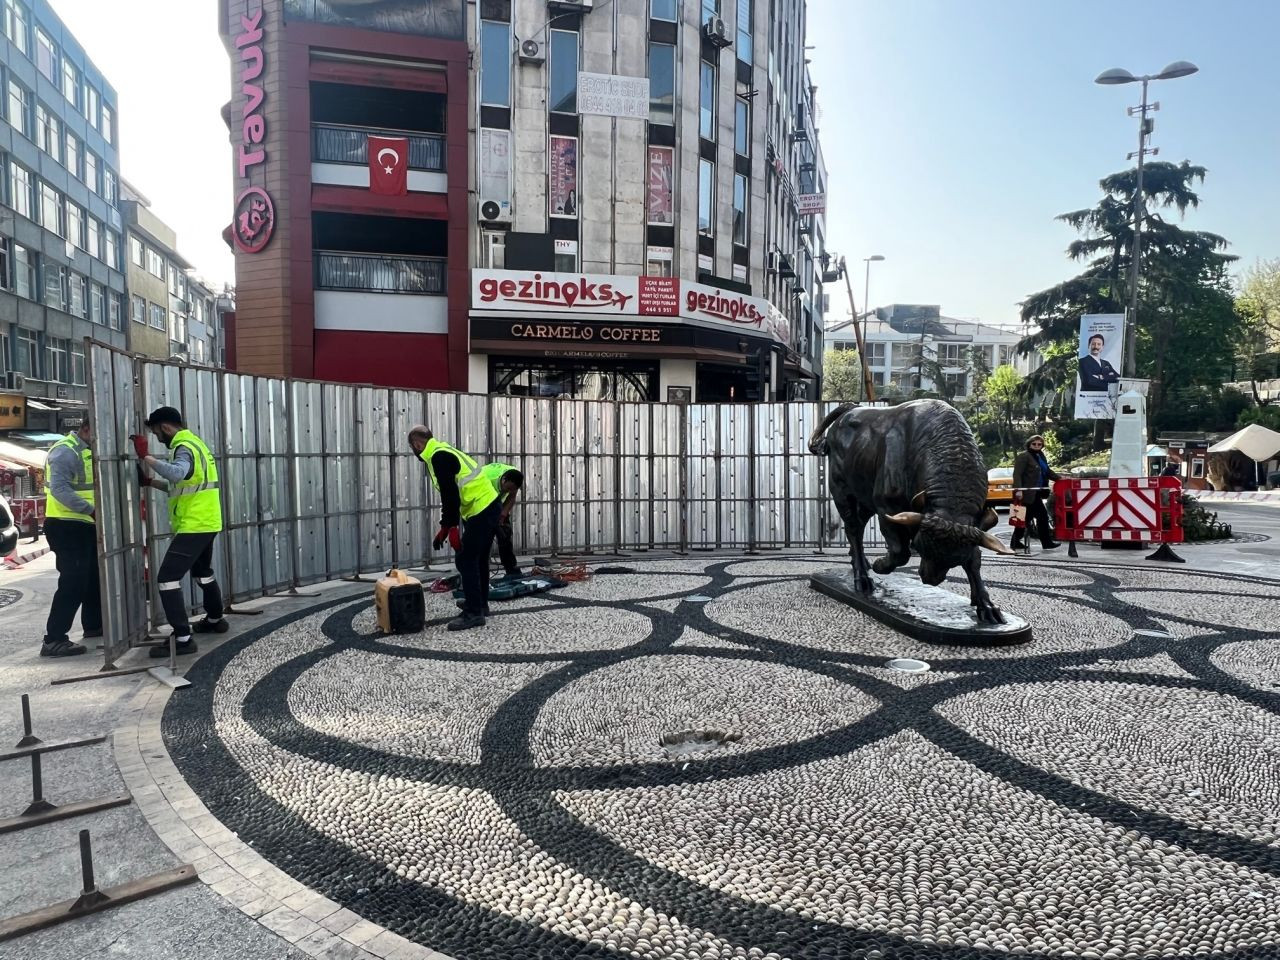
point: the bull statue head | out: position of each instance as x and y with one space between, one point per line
943 544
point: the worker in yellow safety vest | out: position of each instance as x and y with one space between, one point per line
508 481
190 476
72 536
470 500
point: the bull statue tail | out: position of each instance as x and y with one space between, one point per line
818 442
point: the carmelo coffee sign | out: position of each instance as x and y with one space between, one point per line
580 296
255 215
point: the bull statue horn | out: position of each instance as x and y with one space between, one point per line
907 519
991 543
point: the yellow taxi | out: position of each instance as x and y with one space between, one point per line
999 486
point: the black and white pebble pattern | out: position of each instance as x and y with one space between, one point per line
505 793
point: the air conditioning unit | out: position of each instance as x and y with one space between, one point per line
715 32
573 6
531 52
495 211
15 381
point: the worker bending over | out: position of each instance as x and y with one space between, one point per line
508 482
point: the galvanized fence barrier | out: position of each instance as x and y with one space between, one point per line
318 481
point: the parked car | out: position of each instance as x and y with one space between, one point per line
8 530
999 486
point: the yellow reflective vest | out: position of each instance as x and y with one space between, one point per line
474 489
194 504
81 482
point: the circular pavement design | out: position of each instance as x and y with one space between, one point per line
503 793
9 597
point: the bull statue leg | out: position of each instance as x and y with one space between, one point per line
855 521
978 595
897 541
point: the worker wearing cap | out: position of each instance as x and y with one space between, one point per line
508 482
190 475
468 498
70 530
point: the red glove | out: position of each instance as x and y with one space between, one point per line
448 533
140 446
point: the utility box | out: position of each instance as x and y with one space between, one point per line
1129 442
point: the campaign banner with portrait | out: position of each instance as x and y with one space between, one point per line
564 177
1100 360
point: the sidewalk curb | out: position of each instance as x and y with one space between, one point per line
14 561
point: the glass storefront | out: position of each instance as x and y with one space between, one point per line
629 380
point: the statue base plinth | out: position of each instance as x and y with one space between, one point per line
928 614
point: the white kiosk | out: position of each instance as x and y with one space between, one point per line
1129 442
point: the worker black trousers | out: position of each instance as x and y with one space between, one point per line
473 558
75 547
188 552
506 546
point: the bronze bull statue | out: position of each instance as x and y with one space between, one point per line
915 467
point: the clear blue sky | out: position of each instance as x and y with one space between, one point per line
956 130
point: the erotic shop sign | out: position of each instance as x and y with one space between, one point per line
255 214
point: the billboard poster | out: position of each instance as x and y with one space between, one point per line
564 177
661 182
495 166
428 18
613 96
1100 356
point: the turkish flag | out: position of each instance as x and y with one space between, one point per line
389 166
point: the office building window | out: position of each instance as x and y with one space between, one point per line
658 262
950 354
564 71
19 108
135 252
91 171
743 47
495 63
111 249
22 194
93 237
108 124
740 209
137 309
78 301
71 160
71 83
742 127
78 367
46 56
493 249
710 8
566 254
875 354
51 215
663 9
109 192
115 311
955 384
662 83
48 132
707 102
706 198
4 353
1006 355
75 225
24 272
16 24
158 316
91 105
57 357
55 286
97 303
27 357
6 267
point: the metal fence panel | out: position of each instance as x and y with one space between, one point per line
237 459
521 435
771 478
411 523
734 468
375 532
306 419
276 507
340 466
702 478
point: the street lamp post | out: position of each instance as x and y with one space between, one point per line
1179 68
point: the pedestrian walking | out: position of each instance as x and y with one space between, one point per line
70 529
1031 473
190 476
470 500
508 482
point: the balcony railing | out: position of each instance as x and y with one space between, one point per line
372 273
331 143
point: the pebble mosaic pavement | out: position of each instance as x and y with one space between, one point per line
502 793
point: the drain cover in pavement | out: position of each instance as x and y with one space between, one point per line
905 665
9 596
695 743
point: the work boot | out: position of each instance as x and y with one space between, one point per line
466 621
1050 545
211 626
61 648
462 605
1015 543
182 647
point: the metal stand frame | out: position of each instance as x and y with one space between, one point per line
1165 553
41 810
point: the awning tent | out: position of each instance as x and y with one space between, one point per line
1254 441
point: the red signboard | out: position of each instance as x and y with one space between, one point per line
659 296
255 215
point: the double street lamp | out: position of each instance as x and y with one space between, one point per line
1114 76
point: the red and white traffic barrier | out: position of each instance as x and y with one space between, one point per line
1119 510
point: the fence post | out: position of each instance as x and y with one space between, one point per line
292 457
554 432
683 486
617 477
391 480
753 530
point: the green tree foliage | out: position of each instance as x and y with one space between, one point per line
1003 396
1268 416
1258 310
841 375
1187 322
